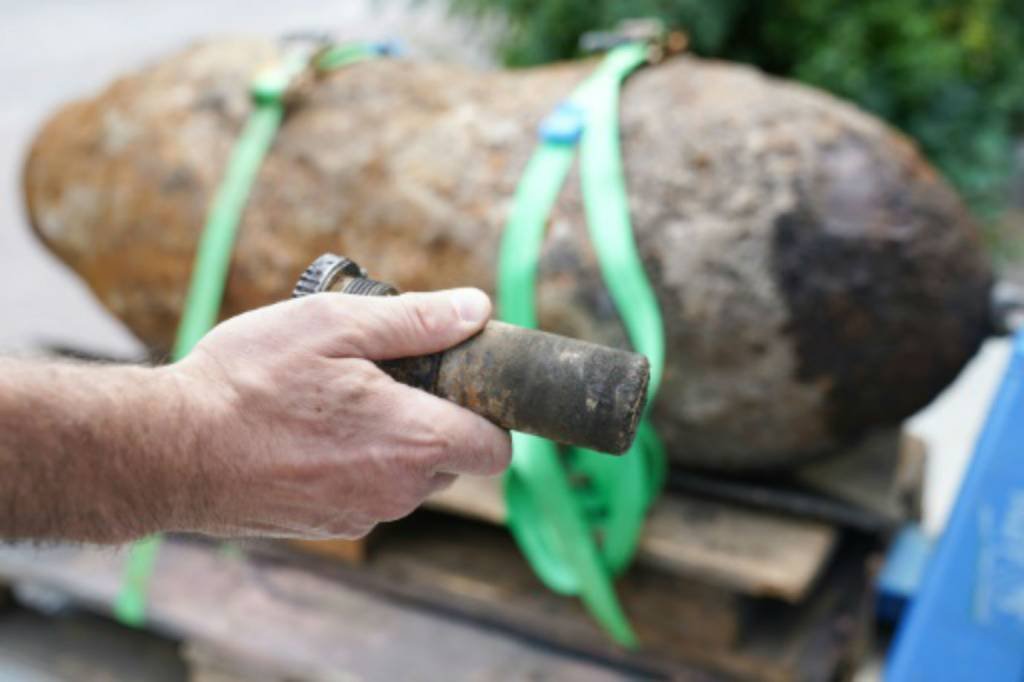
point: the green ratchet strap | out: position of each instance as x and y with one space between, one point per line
213 255
577 515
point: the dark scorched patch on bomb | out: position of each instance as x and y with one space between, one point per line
868 286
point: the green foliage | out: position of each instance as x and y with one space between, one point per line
948 72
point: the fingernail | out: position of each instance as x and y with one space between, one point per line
471 304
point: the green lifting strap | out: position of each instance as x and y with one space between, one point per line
213 254
577 539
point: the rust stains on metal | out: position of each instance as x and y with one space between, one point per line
564 389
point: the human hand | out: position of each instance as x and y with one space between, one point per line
300 434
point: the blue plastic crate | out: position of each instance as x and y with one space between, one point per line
902 573
967 621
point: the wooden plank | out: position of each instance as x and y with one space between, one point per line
727 545
349 551
475 497
910 474
288 623
756 553
884 474
826 638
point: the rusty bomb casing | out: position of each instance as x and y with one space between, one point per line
571 391
817 278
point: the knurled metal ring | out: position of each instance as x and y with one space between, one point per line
323 272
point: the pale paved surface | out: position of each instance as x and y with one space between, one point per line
83 648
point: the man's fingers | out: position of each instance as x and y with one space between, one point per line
384 328
455 440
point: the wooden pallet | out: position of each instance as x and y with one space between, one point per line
752 537
265 607
474 570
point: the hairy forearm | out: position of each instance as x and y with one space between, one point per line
253 433
94 453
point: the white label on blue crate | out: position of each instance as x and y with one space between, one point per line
999 590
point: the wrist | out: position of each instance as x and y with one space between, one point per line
196 464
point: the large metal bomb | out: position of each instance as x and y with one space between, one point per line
817 278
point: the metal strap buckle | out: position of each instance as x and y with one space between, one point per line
564 125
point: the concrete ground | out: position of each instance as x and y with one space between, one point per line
81 647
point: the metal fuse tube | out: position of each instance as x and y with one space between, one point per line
564 389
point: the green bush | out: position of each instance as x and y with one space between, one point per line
950 73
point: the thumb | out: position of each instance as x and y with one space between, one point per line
384 328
